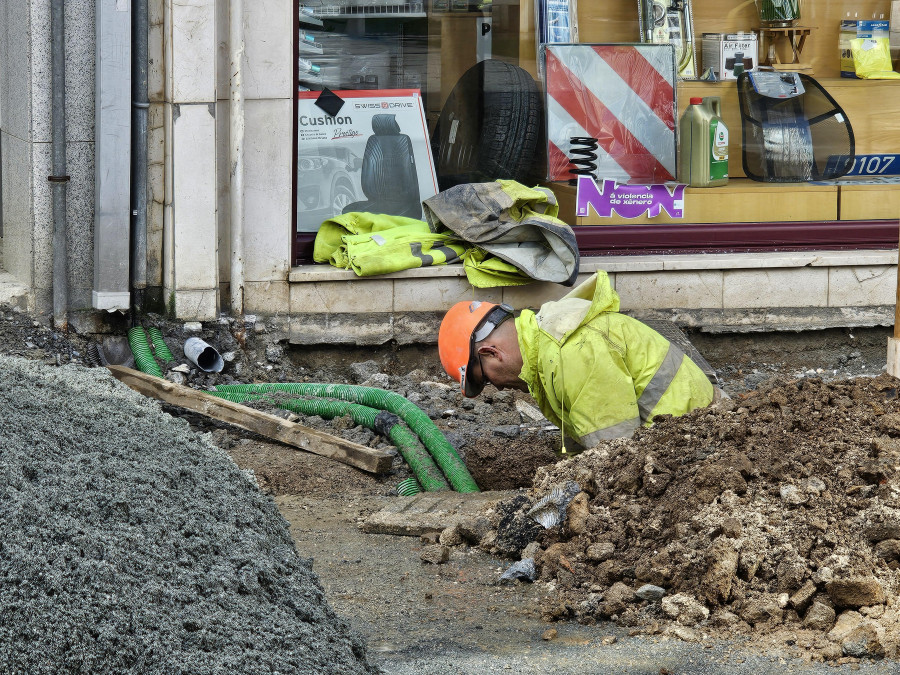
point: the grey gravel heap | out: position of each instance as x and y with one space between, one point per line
133 545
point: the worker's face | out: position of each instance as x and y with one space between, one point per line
499 369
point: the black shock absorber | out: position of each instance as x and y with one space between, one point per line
583 151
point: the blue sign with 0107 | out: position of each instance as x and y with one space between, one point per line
875 165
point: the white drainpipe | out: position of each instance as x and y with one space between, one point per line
236 154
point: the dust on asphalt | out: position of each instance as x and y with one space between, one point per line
456 617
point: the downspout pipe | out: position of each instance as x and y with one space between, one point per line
58 179
236 153
140 66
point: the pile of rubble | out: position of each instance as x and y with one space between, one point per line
775 515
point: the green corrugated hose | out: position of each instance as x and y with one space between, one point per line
159 346
420 462
143 357
432 437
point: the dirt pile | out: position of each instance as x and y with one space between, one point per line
132 545
775 514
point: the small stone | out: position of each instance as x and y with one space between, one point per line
762 610
731 527
274 353
857 592
684 633
792 496
815 486
602 550
608 640
819 617
577 513
176 376
429 538
650 592
473 529
722 563
889 549
532 550
451 536
506 430
193 327
800 600
823 575
863 642
846 623
435 554
686 609
616 599
550 634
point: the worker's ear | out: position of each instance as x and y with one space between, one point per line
489 350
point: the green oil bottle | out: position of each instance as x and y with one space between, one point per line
704 144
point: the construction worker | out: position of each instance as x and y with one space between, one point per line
595 373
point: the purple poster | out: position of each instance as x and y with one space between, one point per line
628 201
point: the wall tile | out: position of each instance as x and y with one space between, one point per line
18 214
194 201
268 160
15 68
193 51
862 286
690 290
799 287
424 295
342 297
196 305
266 297
269 35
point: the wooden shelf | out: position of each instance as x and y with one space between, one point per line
747 201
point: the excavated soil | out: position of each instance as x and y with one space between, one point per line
776 512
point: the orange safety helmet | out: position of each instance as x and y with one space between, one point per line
465 324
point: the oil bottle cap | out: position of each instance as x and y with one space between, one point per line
696 100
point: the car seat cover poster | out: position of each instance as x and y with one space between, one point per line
371 155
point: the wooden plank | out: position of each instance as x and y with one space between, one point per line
431 512
265 424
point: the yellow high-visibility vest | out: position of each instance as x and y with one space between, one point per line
600 374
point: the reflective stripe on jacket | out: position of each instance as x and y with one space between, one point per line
599 374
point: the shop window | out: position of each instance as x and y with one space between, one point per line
447 50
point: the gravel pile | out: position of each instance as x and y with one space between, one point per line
132 545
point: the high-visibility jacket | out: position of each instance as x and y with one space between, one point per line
374 243
599 374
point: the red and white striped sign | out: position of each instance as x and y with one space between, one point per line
622 95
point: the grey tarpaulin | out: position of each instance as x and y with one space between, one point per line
551 510
524 570
513 222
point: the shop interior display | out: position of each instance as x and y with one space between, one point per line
490 127
622 95
388 174
793 130
362 46
671 22
796 39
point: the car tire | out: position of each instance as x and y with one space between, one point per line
490 128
